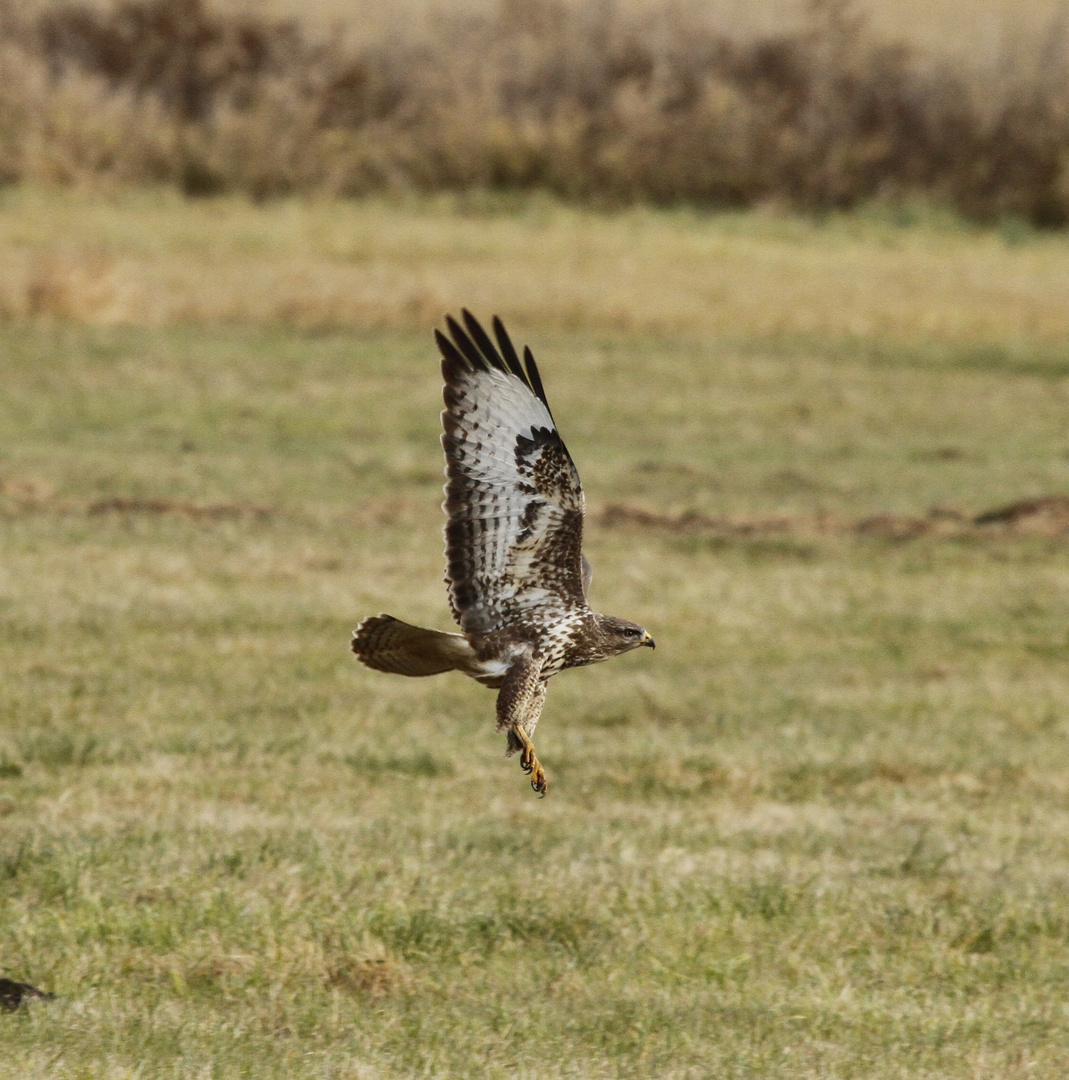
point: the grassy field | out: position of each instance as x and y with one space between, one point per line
822 832
912 277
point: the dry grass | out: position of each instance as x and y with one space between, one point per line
155 260
977 29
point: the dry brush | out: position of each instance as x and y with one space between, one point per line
585 100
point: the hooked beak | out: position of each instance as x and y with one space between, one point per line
647 640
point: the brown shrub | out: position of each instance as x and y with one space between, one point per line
581 99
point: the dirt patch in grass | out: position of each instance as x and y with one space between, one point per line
182 509
1047 516
367 977
28 495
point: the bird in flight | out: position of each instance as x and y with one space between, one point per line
515 571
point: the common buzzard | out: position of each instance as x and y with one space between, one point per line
516 575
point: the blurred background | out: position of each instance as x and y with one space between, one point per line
811 106
413 120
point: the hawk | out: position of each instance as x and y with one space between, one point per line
515 571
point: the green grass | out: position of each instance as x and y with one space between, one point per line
822 832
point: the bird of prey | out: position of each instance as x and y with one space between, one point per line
13 994
515 572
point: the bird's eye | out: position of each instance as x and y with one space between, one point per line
630 631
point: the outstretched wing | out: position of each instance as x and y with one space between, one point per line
513 497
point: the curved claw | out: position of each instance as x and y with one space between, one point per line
531 765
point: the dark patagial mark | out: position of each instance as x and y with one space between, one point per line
526 448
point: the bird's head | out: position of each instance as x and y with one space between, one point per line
620 636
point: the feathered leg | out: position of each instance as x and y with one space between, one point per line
519 704
520 738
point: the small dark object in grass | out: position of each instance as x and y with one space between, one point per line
12 994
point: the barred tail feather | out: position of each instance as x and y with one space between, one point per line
387 644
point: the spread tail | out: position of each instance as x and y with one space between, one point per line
387 644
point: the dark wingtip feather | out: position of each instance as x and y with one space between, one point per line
472 348
464 343
482 340
534 380
450 355
508 350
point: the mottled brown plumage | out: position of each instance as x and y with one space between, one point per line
516 575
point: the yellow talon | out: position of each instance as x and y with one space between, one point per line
530 763
538 779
